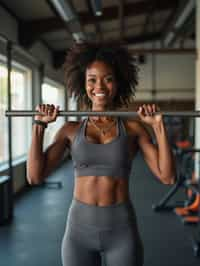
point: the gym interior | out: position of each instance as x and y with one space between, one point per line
164 38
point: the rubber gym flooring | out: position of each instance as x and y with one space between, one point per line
34 237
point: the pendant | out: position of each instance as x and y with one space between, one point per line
103 132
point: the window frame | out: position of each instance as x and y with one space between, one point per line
28 73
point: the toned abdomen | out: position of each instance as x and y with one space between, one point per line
101 190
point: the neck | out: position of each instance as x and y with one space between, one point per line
102 118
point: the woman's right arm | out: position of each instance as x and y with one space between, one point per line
40 163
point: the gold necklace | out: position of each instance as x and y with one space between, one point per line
104 130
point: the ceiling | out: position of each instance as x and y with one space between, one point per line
127 21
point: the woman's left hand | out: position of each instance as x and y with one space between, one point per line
146 114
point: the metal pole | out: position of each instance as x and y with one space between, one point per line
166 51
9 66
106 113
41 74
154 72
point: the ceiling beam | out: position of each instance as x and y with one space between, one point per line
29 32
166 51
66 11
59 56
167 24
148 19
143 38
187 30
96 22
9 10
183 11
130 9
121 19
32 30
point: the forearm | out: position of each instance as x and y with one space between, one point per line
35 161
166 158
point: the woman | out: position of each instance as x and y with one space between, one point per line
101 218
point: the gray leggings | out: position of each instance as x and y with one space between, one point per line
105 234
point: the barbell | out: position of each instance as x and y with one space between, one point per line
100 113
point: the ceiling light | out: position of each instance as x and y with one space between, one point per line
97 7
79 37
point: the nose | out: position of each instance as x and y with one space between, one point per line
99 84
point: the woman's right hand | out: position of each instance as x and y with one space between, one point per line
49 111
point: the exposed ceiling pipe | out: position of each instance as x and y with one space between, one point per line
67 12
64 9
97 7
179 23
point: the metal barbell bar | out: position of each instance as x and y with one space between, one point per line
100 113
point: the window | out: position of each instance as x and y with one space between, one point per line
3 120
20 99
53 93
72 106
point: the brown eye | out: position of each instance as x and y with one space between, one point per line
109 79
91 80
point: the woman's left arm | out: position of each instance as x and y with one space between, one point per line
160 159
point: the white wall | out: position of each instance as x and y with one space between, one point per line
38 50
174 72
8 25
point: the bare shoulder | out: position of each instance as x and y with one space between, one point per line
135 127
71 125
70 128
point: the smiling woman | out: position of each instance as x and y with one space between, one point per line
121 69
100 85
101 217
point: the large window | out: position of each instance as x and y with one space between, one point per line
20 99
53 93
3 121
72 106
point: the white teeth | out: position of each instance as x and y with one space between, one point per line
99 94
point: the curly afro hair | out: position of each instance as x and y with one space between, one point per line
123 64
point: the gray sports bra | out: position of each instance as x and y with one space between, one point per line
93 159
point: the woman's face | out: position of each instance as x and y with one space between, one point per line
100 84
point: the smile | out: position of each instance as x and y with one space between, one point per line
99 94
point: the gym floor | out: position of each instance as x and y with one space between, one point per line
34 237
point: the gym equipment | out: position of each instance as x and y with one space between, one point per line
190 214
6 200
11 113
183 175
189 211
183 155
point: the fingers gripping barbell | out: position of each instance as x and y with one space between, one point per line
108 113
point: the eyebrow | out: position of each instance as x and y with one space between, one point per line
109 74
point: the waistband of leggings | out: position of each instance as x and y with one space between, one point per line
113 215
